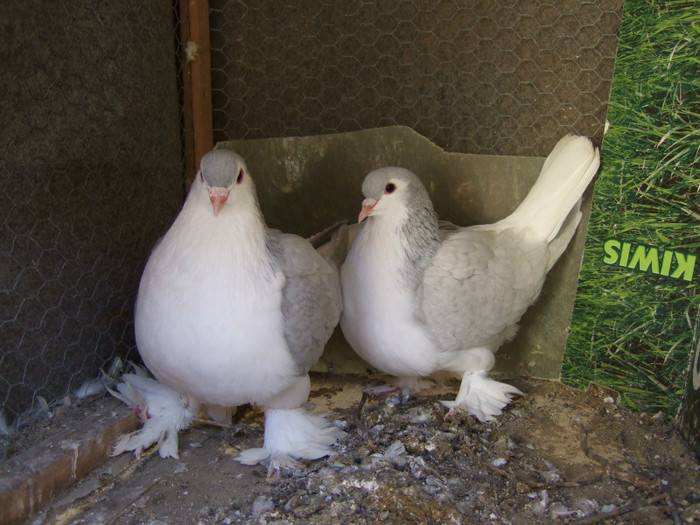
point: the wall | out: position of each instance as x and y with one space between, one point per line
90 175
505 77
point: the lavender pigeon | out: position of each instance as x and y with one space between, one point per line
230 312
420 300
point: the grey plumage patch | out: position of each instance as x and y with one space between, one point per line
220 168
311 298
420 233
421 238
274 250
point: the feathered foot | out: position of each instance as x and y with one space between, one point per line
481 396
162 410
292 434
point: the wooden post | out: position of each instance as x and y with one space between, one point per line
196 80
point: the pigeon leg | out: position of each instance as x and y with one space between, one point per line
292 433
220 415
478 394
404 385
382 390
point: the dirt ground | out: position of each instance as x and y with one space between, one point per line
557 455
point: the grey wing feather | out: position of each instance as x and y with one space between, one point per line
479 284
311 299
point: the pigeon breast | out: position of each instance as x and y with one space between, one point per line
208 317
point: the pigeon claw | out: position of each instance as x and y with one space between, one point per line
274 473
452 412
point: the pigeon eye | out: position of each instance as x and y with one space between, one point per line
390 188
239 179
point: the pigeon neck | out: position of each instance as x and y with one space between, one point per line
407 244
239 228
420 237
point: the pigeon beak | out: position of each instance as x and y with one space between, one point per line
367 207
218 197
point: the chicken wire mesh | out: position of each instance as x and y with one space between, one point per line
91 149
486 76
91 167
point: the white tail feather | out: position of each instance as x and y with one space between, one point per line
566 232
564 177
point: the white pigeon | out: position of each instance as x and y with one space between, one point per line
420 300
230 312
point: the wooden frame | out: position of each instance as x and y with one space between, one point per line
196 80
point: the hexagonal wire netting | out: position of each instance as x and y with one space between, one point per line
91 167
91 150
505 77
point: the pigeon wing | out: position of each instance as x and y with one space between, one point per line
479 284
311 298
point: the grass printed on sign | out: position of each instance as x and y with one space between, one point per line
636 316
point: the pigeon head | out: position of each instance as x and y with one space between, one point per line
398 195
221 171
394 191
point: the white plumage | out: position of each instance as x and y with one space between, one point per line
162 411
230 312
419 299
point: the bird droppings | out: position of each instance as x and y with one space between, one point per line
555 456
